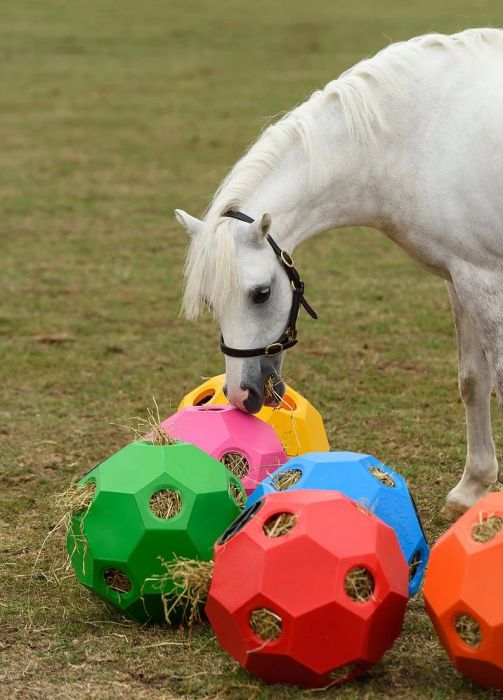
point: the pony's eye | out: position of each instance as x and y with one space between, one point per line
260 295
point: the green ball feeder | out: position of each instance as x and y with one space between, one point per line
151 504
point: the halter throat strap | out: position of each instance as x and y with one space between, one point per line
289 336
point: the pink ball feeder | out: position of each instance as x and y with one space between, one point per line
247 446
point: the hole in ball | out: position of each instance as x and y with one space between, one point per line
359 584
166 503
487 528
414 564
279 524
468 630
117 580
287 479
237 494
236 463
265 623
382 476
288 403
204 397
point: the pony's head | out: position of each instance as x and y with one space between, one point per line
233 269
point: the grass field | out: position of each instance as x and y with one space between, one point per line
111 115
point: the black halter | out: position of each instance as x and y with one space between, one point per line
289 336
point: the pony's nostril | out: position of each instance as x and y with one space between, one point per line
249 390
253 402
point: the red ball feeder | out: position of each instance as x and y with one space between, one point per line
308 588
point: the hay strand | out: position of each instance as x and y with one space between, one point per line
382 476
150 428
279 524
487 528
414 564
285 406
166 503
76 500
359 584
237 494
286 479
265 623
270 392
191 579
236 463
469 630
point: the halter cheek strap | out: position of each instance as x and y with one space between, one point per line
289 336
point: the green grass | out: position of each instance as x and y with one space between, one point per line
111 115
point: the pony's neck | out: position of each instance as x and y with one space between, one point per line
307 194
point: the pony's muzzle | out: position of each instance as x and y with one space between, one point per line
247 398
257 382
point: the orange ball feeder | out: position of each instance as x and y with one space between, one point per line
463 592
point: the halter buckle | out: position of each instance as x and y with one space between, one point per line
286 259
273 349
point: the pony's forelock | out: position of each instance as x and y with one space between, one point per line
210 268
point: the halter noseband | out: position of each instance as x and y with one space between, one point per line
289 336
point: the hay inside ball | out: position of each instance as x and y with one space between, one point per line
487 528
279 524
166 503
359 584
117 580
266 624
284 480
469 630
236 463
382 476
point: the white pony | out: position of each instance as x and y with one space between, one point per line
409 142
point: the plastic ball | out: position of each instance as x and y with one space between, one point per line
308 588
147 504
463 592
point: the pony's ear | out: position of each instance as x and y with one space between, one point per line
263 228
190 223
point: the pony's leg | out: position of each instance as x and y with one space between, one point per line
475 386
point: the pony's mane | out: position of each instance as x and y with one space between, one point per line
210 268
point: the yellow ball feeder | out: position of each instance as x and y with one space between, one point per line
297 423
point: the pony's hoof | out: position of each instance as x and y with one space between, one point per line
452 511
500 476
